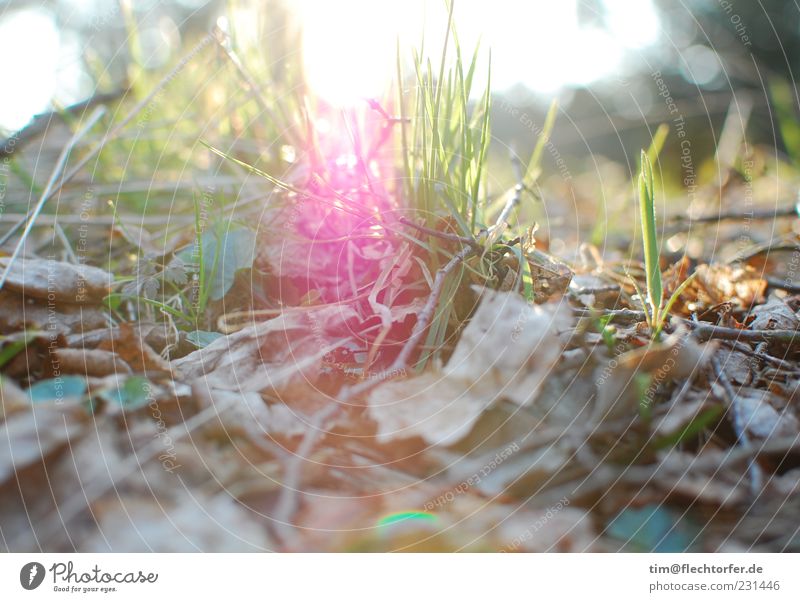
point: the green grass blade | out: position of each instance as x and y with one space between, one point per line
535 164
649 235
673 298
659 138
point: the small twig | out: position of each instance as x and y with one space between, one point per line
58 170
287 503
789 287
594 290
766 249
710 331
703 332
736 216
739 427
765 357
513 201
47 220
62 237
442 235
424 317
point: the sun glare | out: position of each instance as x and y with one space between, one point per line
29 40
349 46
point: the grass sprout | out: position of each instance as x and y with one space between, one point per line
655 308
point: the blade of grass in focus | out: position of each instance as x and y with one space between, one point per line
650 235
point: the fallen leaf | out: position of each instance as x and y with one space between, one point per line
761 419
653 528
58 389
133 394
714 284
737 366
553 529
129 344
27 437
202 338
59 281
18 313
12 398
505 352
89 362
618 392
186 523
774 315
270 354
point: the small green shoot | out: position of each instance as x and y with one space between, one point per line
693 428
535 164
647 208
656 311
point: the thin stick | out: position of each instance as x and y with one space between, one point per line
624 315
703 332
424 317
62 237
709 331
735 216
766 249
783 285
443 235
97 220
58 170
287 503
759 354
513 201
756 477
594 290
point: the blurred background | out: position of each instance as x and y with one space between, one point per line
618 68
596 56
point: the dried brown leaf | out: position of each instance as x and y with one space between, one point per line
618 393
271 354
764 415
186 523
90 362
128 343
48 279
18 313
505 352
774 315
28 437
714 284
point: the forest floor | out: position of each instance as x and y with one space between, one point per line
199 356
